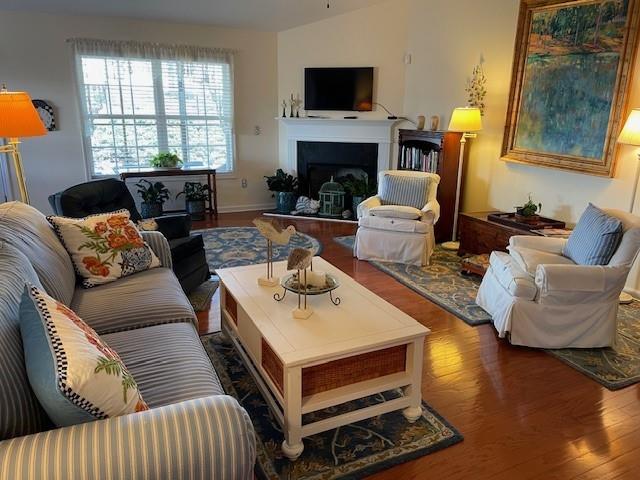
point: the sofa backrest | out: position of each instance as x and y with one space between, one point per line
20 412
25 228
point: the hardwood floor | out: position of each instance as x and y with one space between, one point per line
523 413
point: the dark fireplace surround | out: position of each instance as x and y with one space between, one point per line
317 162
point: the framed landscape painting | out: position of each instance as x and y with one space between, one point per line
571 75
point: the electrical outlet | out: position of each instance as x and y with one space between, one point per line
244 183
257 130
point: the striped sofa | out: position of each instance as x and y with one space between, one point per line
192 430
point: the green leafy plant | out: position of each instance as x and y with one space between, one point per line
165 160
359 187
195 191
152 192
529 209
282 182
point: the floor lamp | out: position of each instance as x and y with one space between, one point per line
466 120
630 135
18 118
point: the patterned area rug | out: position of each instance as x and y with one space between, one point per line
443 284
440 282
200 297
353 451
238 246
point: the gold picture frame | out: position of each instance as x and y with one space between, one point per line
572 70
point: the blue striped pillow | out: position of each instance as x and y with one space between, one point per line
595 238
403 190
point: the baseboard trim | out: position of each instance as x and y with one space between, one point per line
246 208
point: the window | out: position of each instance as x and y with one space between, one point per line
134 108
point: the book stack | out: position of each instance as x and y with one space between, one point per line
413 158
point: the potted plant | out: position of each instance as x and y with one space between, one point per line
153 197
284 187
527 213
195 195
166 160
360 189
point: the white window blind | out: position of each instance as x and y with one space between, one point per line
141 99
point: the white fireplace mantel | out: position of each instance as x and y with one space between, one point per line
379 131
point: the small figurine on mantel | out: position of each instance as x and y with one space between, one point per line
284 109
300 259
274 233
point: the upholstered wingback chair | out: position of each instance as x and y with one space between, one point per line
396 225
539 297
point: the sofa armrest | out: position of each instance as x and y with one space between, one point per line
580 283
368 204
174 226
160 246
431 212
206 438
544 244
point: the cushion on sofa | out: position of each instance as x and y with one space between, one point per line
595 238
76 376
513 279
396 211
168 362
404 190
146 298
20 411
27 229
104 247
528 259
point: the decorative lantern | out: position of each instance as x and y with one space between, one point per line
331 199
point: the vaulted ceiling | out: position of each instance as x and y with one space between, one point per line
272 15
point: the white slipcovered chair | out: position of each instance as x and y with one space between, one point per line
396 225
540 298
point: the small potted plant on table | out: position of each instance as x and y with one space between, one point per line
528 213
166 160
153 197
284 187
195 195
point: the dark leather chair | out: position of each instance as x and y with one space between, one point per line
103 196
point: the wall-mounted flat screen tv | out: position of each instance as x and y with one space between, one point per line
346 89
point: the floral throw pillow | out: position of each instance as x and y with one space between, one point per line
75 375
104 247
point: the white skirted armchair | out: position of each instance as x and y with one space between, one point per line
396 225
540 298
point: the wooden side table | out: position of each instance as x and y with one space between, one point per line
209 172
479 234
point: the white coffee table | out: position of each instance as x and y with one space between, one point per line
341 353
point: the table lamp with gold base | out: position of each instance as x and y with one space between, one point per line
18 119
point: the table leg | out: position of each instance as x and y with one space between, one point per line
414 390
292 447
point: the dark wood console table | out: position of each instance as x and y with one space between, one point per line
479 234
178 172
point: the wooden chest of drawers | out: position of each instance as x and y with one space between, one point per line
480 235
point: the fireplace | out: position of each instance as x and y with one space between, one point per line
317 162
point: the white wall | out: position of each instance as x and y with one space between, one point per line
374 36
35 58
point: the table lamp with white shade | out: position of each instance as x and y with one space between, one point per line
468 121
18 119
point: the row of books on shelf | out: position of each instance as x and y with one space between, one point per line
412 158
